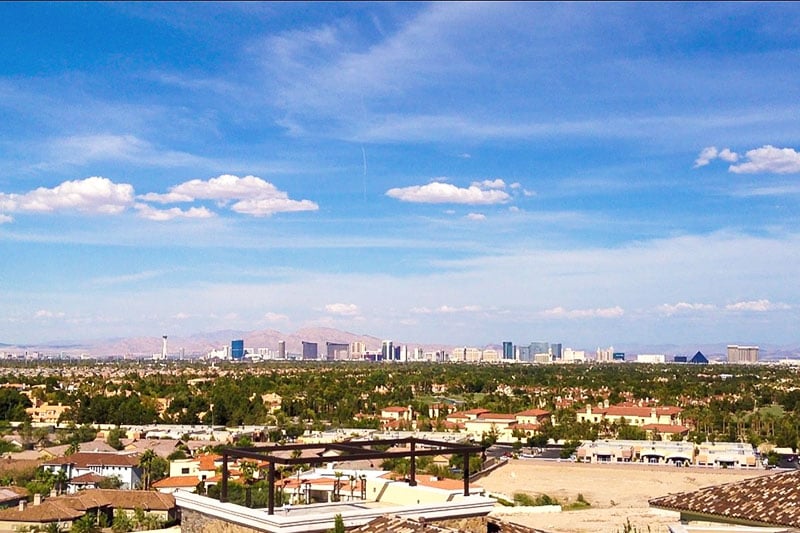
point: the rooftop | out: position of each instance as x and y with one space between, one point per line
771 500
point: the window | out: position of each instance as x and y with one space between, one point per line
185 470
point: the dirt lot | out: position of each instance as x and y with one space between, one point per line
616 492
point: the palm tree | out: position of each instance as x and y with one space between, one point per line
60 481
73 448
248 470
146 464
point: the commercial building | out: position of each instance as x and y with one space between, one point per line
508 350
742 354
555 350
337 351
309 350
605 355
387 350
237 350
651 358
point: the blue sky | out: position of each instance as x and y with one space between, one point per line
459 173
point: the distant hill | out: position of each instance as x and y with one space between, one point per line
202 343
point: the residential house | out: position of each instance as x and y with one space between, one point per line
45 414
59 511
124 466
632 414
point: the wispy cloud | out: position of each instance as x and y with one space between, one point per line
45 313
684 308
82 149
446 310
602 312
127 278
710 153
758 306
162 215
342 309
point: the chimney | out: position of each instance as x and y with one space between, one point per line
22 504
53 493
37 499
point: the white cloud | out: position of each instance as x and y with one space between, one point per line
446 310
769 159
181 316
91 195
711 153
707 155
260 207
727 155
683 307
342 309
275 317
44 313
438 192
5 219
226 187
476 216
490 184
255 196
161 215
758 306
604 312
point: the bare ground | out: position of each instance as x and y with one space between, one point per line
617 493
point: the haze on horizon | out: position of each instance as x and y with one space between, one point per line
457 173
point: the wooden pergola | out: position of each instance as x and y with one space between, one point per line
348 451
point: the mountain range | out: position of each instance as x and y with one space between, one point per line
202 343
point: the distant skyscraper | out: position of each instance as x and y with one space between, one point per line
605 355
387 350
237 350
337 351
555 349
357 350
539 347
309 350
524 354
508 350
282 349
742 354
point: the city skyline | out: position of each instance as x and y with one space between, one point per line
451 173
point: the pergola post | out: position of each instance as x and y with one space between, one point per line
271 482
466 473
412 482
223 495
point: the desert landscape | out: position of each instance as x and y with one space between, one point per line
616 492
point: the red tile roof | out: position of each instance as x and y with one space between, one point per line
766 500
534 412
89 459
176 482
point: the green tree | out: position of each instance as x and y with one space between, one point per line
338 524
146 464
115 437
86 524
122 523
